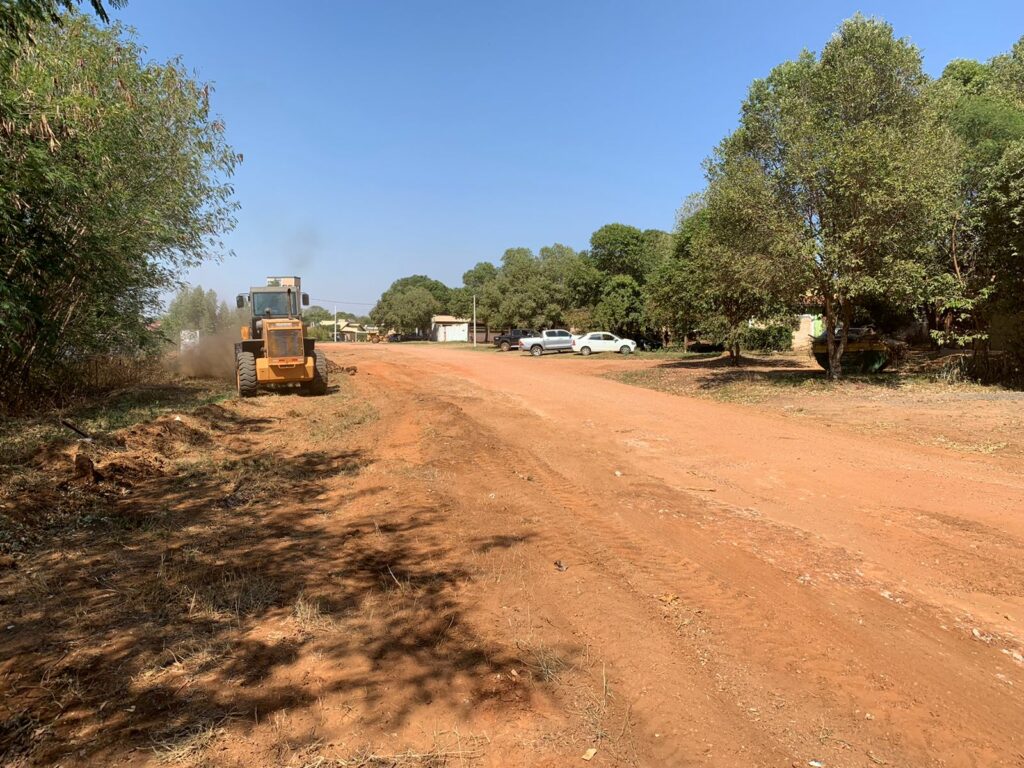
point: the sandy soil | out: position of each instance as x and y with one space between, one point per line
905 405
487 559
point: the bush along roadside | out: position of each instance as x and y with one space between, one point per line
771 338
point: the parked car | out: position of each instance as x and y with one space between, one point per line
649 343
602 341
395 337
554 340
705 346
506 341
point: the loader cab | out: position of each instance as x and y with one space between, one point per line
271 302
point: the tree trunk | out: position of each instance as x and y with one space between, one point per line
837 343
734 351
931 322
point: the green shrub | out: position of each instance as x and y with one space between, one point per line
771 338
114 181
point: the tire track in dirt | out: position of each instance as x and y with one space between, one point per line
772 664
704 577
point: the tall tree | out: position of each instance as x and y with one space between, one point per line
618 249
621 307
113 179
479 276
194 309
409 303
1003 226
519 295
843 157
984 106
474 283
673 300
735 265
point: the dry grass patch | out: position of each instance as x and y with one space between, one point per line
542 662
447 748
188 657
23 436
186 746
312 615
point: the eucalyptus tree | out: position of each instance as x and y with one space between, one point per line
20 18
114 178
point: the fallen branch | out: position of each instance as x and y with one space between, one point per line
75 429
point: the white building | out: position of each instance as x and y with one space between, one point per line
450 328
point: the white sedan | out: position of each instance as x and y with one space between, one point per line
602 341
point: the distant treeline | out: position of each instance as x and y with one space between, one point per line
607 286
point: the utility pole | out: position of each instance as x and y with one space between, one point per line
335 323
474 321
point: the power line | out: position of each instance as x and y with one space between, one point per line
338 301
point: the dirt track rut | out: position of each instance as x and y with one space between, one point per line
478 559
747 606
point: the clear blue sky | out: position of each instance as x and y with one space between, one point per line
385 138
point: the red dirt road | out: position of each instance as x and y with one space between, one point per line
483 559
757 591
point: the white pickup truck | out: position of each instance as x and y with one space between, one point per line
555 340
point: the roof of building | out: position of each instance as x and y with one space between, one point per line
448 319
344 325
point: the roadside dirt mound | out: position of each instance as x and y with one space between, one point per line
167 435
66 482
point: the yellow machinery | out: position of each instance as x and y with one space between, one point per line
274 349
866 351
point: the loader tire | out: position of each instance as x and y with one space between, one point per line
245 374
318 386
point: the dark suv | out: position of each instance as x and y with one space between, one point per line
510 340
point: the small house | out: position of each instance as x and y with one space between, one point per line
346 330
451 328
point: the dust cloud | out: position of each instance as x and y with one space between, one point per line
212 358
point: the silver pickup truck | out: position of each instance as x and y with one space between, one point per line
555 340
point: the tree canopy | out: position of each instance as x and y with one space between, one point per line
114 177
18 18
838 174
971 276
192 308
557 286
409 303
854 185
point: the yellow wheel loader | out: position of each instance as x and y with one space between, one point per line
275 350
